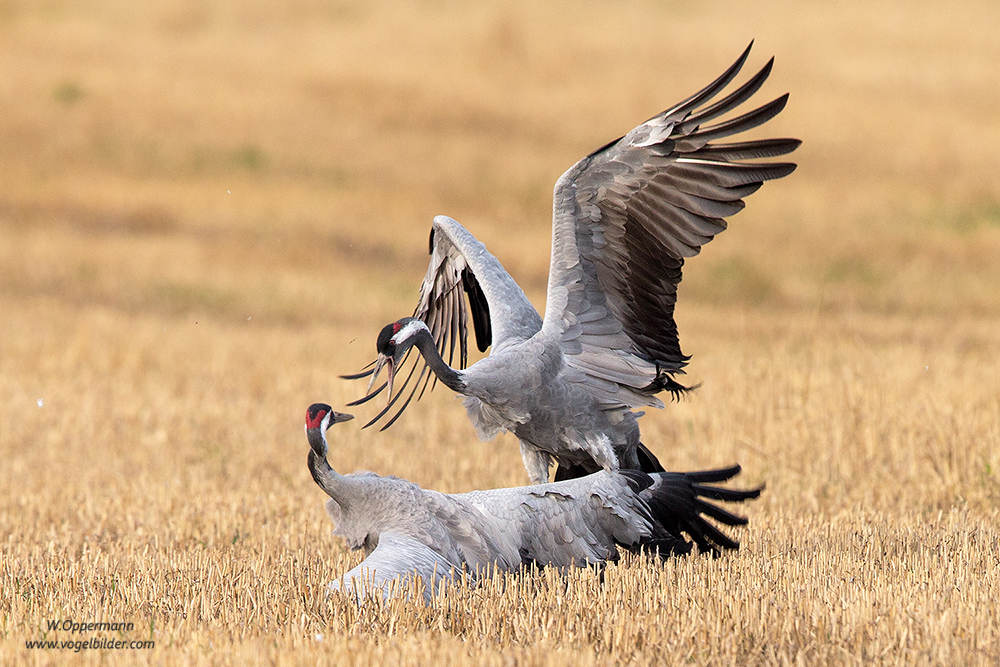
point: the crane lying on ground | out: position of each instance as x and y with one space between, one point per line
407 531
624 219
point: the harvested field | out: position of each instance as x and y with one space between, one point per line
208 211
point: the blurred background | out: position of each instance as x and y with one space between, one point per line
209 209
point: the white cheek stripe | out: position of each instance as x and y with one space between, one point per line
410 329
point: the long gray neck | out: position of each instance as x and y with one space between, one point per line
333 483
449 376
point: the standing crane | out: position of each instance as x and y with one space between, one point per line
624 219
407 531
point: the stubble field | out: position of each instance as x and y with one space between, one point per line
208 211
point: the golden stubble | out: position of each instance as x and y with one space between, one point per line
208 212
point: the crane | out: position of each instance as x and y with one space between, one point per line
407 531
624 220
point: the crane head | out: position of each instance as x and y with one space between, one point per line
393 342
320 417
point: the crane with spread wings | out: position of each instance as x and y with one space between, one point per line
624 220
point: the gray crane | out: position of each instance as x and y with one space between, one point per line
624 219
407 531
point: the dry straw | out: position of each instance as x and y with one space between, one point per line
209 210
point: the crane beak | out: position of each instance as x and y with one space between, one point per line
338 417
382 360
391 370
375 372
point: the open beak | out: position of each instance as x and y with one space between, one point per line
383 360
391 370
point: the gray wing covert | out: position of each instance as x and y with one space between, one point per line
569 523
479 542
626 217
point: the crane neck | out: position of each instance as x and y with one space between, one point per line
333 483
451 378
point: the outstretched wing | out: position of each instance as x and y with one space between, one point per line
627 216
581 521
460 263
575 522
678 502
460 268
388 570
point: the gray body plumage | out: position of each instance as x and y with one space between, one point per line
624 219
408 531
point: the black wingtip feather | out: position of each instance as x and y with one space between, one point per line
402 390
408 398
747 121
480 308
729 102
357 376
731 495
716 475
678 505
711 89
365 399
647 460
637 480
664 382
721 515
